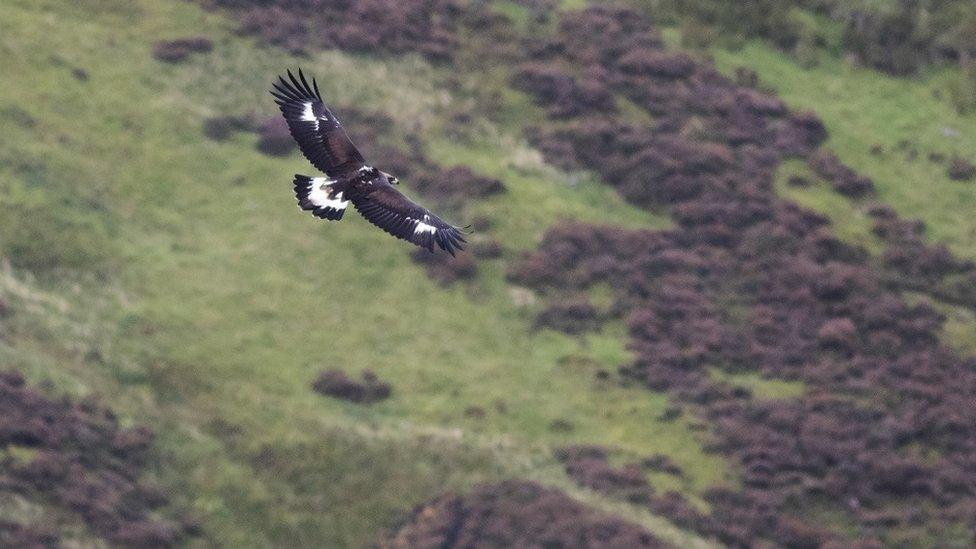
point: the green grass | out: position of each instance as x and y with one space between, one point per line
517 13
193 296
761 387
959 329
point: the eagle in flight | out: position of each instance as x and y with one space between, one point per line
325 144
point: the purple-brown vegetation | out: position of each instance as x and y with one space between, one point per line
82 462
454 185
174 51
274 139
220 128
428 27
588 466
961 169
13 534
514 514
662 464
913 264
336 384
487 249
844 180
571 315
444 268
747 281
563 93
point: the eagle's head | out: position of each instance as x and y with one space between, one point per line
393 180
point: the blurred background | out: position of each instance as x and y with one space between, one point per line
720 291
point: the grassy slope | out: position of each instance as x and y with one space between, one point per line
216 303
213 311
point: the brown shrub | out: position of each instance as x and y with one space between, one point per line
488 249
600 34
838 334
513 514
572 316
544 81
844 180
746 77
455 185
337 384
428 27
662 464
961 169
798 181
274 139
809 132
444 268
13 534
174 51
760 103
220 128
589 467
676 508
84 463
656 63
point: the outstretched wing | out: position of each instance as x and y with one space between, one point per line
384 206
320 136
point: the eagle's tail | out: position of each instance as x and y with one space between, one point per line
320 195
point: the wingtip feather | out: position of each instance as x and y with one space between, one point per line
294 80
308 89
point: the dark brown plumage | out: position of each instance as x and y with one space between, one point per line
326 145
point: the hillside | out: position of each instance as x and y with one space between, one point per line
155 264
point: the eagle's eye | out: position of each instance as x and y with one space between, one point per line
395 181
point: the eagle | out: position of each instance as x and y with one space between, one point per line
348 178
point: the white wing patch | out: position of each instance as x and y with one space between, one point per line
308 115
318 194
424 228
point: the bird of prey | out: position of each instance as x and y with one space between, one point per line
324 142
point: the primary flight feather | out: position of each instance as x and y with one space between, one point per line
326 145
